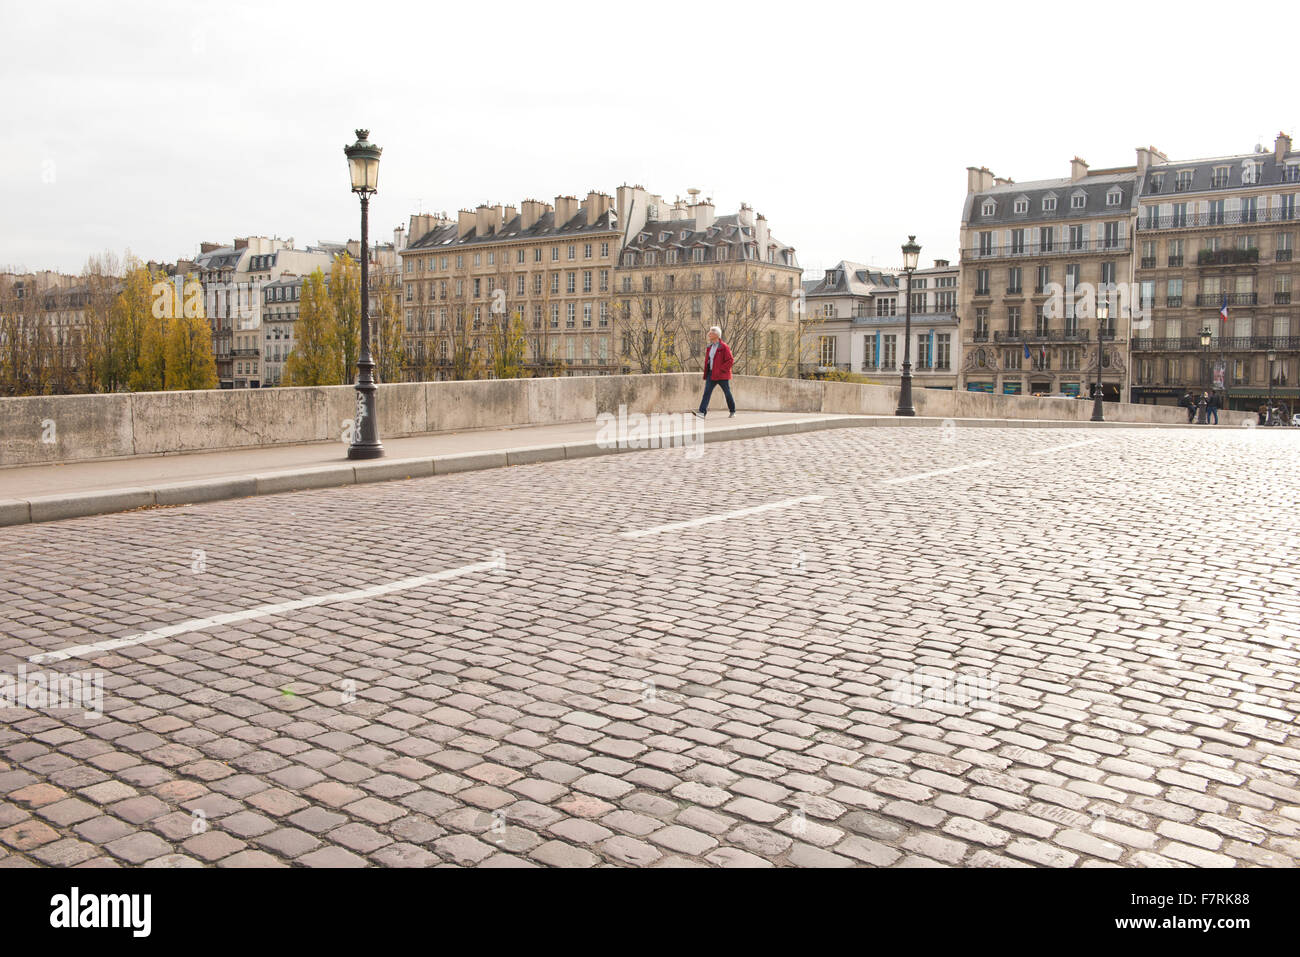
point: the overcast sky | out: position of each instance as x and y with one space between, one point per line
155 126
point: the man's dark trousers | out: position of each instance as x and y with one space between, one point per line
725 385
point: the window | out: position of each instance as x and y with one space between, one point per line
537 254
1013 321
887 306
537 317
571 283
1174 293
519 284
537 284
555 254
986 244
981 323
1043 278
1014 280
1108 274
923 352
1114 196
1021 206
555 315
989 208
519 256
604 315
1110 235
555 284
890 343
1049 204
826 351
1216 212
1219 177
1076 237
1017 242
1011 358
1046 239
943 351
586 315
604 280
1183 180
586 250
604 250
1041 322
1079 200
981 283
869 357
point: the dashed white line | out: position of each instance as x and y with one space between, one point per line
709 519
1062 448
925 475
264 611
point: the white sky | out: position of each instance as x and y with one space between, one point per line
154 126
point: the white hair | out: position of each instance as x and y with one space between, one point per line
716 330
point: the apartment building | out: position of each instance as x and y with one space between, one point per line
684 269
233 277
1216 238
857 323
549 266
1033 256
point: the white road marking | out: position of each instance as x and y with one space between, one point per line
264 611
1062 448
709 519
923 475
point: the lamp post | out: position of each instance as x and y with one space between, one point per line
1268 416
1207 337
1103 312
363 165
911 252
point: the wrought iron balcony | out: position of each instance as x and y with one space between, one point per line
980 336
1173 302
1222 344
1281 299
1047 335
1148 262
1233 299
1012 250
1175 261
1213 217
1282 256
1227 257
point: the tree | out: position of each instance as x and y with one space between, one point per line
386 324
188 349
345 299
316 358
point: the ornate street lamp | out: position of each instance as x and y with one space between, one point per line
1268 416
363 166
911 252
1207 337
1103 313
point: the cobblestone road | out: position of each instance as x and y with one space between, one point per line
1059 654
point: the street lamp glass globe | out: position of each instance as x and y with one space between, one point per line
1272 356
1206 336
911 252
363 163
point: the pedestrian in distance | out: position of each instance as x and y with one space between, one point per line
1188 403
717 373
1212 407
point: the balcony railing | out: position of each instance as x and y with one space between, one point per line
980 336
1175 260
1281 299
1148 262
1232 298
1282 256
1173 302
1227 257
243 352
1211 217
1011 250
1047 335
1222 344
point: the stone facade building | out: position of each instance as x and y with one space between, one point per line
1031 255
1217 237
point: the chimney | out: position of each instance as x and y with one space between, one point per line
399 239
509 216
241 244
566 207
1148 156
702 213
464 223
531 211
746 215
487 220
1078 169
1002 181
208 247
978 180
1281 146
596 205
940 263
679 210
421 225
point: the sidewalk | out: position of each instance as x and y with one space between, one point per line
41 493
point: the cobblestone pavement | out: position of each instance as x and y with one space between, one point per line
1061 654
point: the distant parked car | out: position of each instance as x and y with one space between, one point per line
1295 419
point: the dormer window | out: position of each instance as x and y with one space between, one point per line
1183 182
1114 197
1219 178
1079 200
720 253
1252 171
1049 204
1021 206
989 208
1157 182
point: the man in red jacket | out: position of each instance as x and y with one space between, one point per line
717 372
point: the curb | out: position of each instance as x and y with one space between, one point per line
49 508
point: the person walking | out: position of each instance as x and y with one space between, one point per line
1188 403
717 372
1212 408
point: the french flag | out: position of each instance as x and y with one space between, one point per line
1223 310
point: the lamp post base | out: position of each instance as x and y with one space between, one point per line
375 451
1098 414
905 406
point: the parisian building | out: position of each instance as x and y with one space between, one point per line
1216 237
857 323
685 269
1023 242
